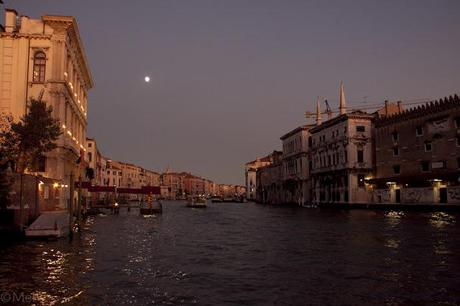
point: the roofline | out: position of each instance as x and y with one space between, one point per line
305 127
73 22
341 118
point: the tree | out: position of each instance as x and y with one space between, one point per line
7 153
35 134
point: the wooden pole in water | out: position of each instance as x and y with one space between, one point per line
71 191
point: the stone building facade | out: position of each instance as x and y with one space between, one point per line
270 180
295 165
418 154
341 152
45 59
250 174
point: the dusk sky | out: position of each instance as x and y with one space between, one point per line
228 78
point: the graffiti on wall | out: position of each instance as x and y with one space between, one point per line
453 195
417 195
382 196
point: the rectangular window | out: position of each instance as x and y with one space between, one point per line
457 122
360 180
360 128
425 166
419 131
90 145
90 156
345 155
395 136
395 151
360 156
397 169
428 147
458 141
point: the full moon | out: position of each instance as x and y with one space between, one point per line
147 79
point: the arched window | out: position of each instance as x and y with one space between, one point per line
39 67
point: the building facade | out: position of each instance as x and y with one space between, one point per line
270 178
250 173
418 154
44 59
341 156
295 165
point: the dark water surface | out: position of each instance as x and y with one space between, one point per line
244 254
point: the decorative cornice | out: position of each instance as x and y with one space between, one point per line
429 108
341 118
69 24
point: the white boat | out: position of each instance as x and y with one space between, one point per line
197 202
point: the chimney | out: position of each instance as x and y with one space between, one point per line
343 103
318 112
10 20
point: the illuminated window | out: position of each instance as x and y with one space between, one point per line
360 180
39 67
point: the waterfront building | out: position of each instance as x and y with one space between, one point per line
251 175
295 165
418 154
131 175
152 178
44 59
175 183
114 174
270 180
341 156
194 185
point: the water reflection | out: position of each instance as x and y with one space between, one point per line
393 218
244 255
441 219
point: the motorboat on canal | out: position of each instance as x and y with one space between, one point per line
151 208
216 199
197 202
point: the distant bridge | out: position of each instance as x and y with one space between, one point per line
114 189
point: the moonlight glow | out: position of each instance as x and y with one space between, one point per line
147 79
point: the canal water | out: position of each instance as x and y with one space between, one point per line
243 254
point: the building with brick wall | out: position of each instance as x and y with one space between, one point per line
417 154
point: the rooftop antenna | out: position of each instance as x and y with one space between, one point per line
328 110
